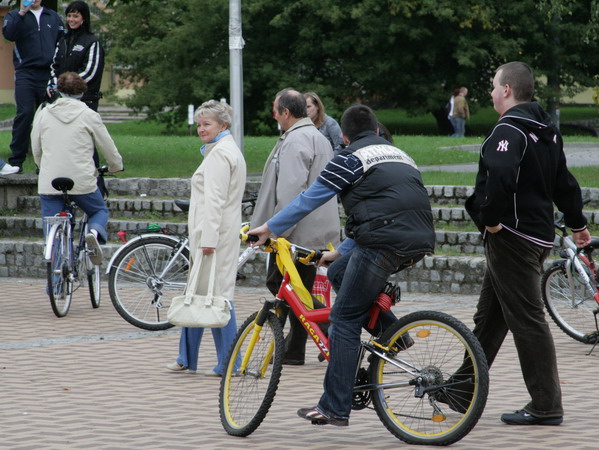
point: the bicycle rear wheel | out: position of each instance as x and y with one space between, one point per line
435 390
60 281
90 274
140 285
247 394
570 309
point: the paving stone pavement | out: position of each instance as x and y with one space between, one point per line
91 380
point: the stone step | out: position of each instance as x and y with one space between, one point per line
27 229
21 246
160 209
118 114
11 188
457 274
435 274
134 214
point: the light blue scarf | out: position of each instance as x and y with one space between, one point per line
219 136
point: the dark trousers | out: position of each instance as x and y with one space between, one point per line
510 299
30 92
295 342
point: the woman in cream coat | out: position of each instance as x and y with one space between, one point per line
217 188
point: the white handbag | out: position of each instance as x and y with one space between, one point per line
200 311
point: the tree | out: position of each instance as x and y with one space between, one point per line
389 53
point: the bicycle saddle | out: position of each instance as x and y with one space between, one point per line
63 184
182 204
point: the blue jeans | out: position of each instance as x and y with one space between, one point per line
459 126
357 277
189 345
92 204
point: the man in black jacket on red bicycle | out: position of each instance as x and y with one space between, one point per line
389 227
522 172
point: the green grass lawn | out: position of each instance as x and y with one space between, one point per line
7 111
149 152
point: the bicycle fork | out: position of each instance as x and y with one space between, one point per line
590 338
258 325
574 261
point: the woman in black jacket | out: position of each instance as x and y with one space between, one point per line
79 51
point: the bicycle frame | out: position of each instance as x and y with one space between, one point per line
309 318
574 258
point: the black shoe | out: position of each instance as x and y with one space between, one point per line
523 418
293 362
451 398
317 418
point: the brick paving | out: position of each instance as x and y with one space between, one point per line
91 380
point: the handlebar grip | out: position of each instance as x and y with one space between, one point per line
252 238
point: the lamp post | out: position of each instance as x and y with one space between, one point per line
236 70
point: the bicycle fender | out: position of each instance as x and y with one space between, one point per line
50 243
126 246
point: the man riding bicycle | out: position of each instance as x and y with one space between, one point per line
389 227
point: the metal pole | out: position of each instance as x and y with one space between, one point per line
236 44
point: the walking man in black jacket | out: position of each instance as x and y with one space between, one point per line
522 173
35 32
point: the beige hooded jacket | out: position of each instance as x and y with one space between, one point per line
62 141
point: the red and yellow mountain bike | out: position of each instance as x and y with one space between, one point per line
412 386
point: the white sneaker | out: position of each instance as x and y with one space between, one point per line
176 367
7 169
94 251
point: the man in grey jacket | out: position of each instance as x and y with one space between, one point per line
297 159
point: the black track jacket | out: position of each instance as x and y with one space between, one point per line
522 172
80 52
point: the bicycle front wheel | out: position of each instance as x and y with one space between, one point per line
144 279
60 280
252 374
570 308
434 388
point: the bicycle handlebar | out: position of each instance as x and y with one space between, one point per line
305 255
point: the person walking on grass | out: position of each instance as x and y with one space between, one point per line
461 113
